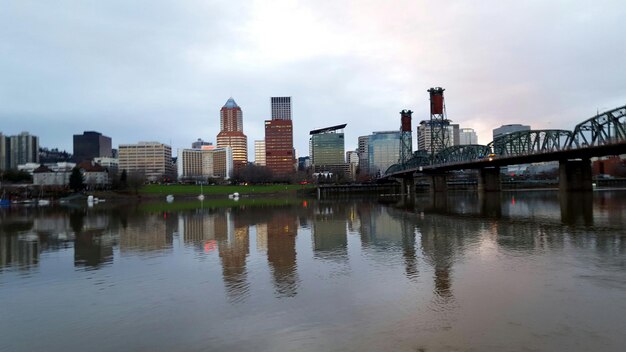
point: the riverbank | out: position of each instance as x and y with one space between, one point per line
26 192
220 190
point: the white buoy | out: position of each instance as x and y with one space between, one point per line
201 197
236 194
169 198
90 199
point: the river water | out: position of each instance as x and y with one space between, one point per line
518 271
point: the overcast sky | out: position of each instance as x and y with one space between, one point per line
160 70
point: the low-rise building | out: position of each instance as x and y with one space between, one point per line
55 167
111 164
205 163
45 176
94 175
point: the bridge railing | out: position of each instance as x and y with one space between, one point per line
530 142
606 128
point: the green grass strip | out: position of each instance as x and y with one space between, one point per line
218 189
216 203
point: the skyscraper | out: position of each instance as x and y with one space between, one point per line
383 151
327 145
23 148
279 156
281 108
91 145
4 152
445 139
327 150
279 152
468 136
363 155
231 133
200 143
259 152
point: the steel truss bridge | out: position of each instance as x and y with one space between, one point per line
603 134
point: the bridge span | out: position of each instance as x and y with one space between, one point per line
601 135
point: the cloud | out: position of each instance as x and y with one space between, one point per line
161 70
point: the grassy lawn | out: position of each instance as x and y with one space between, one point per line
215 189
217 203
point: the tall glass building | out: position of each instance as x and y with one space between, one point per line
328 145
383 151
327 150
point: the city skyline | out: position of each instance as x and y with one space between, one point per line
160 74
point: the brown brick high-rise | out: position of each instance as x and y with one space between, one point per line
279 152
279 155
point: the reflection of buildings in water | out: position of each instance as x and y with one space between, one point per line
330 237
51 224
21 250
57 230
380 229
196 228
528 236
148 232
354 221
261 237
409 252
281 252
233 246
303 221
388 230
93 248
93 242
442 240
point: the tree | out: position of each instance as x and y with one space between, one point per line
13 175
253 174
135 181
76 180
123 179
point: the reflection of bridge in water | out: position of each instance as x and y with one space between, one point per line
601 135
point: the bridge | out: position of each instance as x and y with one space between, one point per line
601 135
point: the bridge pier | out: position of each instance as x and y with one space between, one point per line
407 185
489 179
575 175
438 183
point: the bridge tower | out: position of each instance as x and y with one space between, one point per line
406 137
439 133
